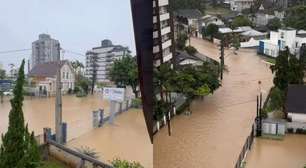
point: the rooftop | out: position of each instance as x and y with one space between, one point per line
46 69
296 98
189 13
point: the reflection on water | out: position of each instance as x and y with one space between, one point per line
39 113
214 134
290 152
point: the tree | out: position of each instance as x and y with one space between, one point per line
191 50
188 4
274 24
296 71
241 21
19 148
303 55
124 72
280 70
77 67
2 74
295 17
181 41
277 99
212 31
288 70
236 42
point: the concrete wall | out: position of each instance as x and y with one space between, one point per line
297 117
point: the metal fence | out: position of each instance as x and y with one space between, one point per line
71 157
246 147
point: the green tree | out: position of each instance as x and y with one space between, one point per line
118 163
303 56
277 99
2 74
188 4
181 41
280 69
274 24
296 71
296 17
212 31
191 50
19 148
236 42
124 72
241 20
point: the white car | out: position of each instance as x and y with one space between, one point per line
8 93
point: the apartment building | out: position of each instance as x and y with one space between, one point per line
101 58
44 50
163 47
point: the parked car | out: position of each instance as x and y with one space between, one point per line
8 93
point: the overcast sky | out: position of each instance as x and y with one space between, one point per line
79 25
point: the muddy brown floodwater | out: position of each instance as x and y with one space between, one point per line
213 136
287 153
126 139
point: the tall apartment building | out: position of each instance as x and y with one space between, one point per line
45 49
101 58
163 48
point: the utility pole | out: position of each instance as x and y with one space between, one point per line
58 102
222 57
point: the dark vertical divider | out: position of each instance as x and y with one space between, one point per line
142 12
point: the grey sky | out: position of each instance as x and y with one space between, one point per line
79 25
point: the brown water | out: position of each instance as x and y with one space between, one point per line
39 113
126 139
213 136
287 153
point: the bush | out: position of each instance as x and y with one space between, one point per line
117 163
300 131
290 130
70 91
136 103
191 50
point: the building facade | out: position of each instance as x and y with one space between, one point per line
100 59
163 48
43 77
279 41
239 5
45 49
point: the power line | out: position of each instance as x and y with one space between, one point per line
14 51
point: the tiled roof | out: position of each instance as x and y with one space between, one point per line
46 69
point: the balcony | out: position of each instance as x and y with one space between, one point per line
165 30
156 49
163 2
165 16
167 57
167 44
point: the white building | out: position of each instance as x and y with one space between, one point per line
43 77
279 41
162 33
239 5
105 55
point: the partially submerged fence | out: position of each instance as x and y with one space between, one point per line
68 156
73 158
246 147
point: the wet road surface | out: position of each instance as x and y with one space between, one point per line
213 136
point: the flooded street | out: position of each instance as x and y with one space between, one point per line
125 139
214 134
39 113
290 152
